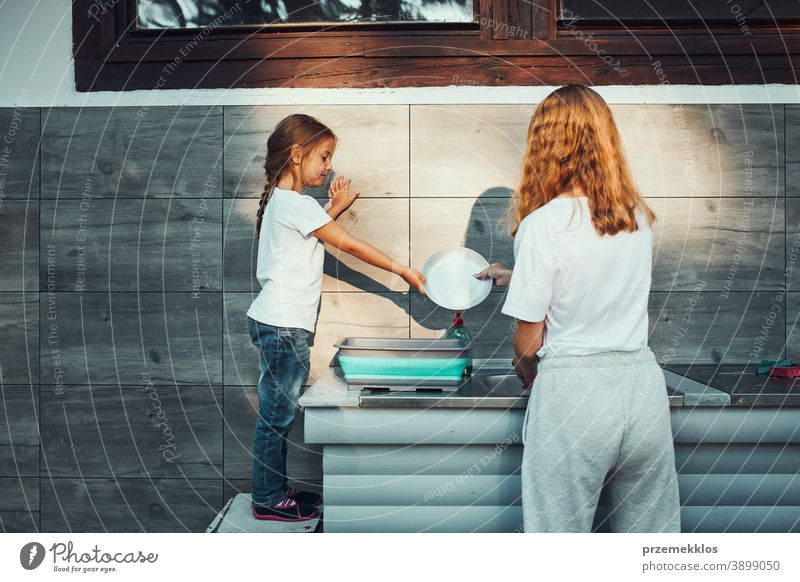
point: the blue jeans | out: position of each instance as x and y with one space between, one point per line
283 363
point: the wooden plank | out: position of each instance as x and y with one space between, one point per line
727 244
129 505
117 338
19 430
380 222
372 147
132 152
19 336
420 459
19 505
442 519
132 245
491 330
475 223
145 430
436 71
19 159
704 150
707 327
792 149
771 490
341 315
792 327
303 461
544 19
19 245
467 150
735 519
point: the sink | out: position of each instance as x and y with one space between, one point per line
508 384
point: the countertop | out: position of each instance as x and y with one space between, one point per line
743 384
746 389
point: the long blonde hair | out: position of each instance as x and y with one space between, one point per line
573 143
296 129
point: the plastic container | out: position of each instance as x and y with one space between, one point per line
403 362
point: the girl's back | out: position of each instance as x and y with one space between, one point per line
591 290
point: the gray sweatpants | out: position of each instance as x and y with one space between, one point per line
601 418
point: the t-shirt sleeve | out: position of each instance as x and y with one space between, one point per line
306 216
530 292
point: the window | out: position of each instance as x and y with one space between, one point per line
168 44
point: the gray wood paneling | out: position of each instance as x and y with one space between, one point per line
730 244
341 315
701 150
240 357
19 244
372 146
129 505
707 327
132 152
19 505
792 327
19 338
467 150
20 163
115 339
19 430
475 223
132 245
303 461
382 223
147 430
792 149
491 331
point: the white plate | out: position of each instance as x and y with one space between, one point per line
450 281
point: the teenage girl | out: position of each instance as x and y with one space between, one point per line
292 227
598 411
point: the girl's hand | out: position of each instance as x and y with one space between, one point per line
501 275
415 279
340 195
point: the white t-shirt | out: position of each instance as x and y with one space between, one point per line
290 261
591 291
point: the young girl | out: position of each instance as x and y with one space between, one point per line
291 228
598 411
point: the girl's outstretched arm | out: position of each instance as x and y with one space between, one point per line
336 236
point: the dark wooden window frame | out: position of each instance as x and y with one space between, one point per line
511 42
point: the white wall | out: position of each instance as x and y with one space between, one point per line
36 70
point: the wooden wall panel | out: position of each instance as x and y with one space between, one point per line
132 152
304 461
705 327
21 164
19 430
129 505
792 149
702 150
146 430
467 150
475 223
19 338
132 245
19 505
19 244
372 147
730 244
116 339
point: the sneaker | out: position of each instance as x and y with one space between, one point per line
304 497
285 510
